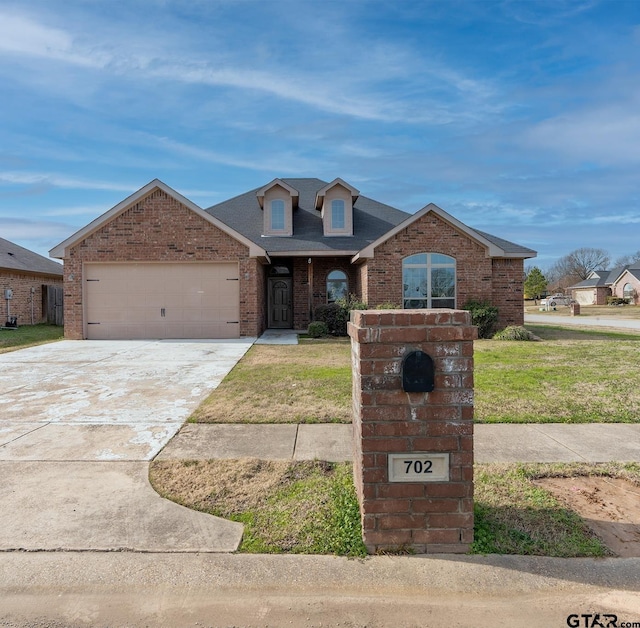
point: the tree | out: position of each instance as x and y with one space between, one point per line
535 284
627 260
577 266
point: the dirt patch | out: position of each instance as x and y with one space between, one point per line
610 507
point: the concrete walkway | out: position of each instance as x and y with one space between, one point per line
545 442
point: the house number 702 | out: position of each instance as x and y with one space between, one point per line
419 466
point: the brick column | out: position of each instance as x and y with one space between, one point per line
434 515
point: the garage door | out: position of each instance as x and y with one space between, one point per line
135 301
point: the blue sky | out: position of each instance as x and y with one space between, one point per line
520 118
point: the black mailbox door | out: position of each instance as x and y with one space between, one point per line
418 372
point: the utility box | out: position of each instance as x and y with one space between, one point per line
8 294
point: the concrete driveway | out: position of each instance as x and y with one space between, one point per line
79 421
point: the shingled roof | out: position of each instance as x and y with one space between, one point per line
371 221
14 257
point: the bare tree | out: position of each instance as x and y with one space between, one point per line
627 260
577 266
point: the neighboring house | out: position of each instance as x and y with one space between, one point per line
158 266
27 279
623 282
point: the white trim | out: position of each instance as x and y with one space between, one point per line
321 193
60 251
311 253
292 192
492 250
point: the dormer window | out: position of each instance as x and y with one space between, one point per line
335 202
277 215
337 215
278 200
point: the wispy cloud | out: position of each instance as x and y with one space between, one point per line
61 181
358 90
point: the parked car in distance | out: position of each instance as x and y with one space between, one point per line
556 299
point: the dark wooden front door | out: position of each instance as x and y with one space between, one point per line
280 310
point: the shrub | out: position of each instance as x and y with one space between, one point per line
318 329
484 316
514 332
617 301
336 315
388 305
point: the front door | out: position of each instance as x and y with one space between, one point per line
280 311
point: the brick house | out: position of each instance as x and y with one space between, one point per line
158 266
622 282
25 277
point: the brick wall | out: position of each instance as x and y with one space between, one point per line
477 276
159 228
321 267
427 517
507 291
20 304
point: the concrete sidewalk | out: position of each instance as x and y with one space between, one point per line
543 442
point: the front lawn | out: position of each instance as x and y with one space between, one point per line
571 376
305 383
29 336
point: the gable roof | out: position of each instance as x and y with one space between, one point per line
60 250
292 192
321 193
602 278
496 247
14 257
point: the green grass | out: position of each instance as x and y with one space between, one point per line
311 507
514 516
570 377
29 336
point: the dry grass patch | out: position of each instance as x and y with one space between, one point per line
305 383
286 506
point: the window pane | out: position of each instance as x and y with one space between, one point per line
450 303
277 215
437 258
415 304
337 214
420 258
415 283
443 282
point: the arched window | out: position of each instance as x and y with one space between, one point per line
429 281
337 285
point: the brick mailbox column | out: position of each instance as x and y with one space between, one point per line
413 451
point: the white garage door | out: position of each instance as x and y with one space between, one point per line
189 300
